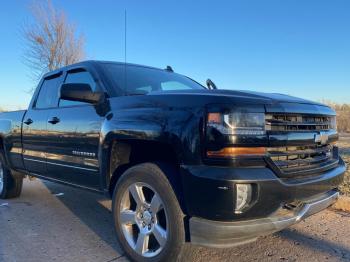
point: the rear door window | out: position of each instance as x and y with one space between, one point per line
48 94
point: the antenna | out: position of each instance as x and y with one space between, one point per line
125 21
125 75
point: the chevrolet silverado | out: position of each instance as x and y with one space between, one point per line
181 162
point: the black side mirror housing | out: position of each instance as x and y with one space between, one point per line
81 93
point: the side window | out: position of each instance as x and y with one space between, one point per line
78 77
48 95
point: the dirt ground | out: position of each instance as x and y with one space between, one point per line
51 222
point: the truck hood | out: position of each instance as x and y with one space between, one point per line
270 103
266 98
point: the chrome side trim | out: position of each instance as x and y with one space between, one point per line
35 160
57 164
72 159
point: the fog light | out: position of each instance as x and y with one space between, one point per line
243 196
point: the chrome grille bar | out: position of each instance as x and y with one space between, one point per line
302 158
298 122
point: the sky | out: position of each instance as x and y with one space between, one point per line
295 47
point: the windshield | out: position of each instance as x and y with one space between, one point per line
142 80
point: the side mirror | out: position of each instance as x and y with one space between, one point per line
81 93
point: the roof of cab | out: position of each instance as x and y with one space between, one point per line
92 63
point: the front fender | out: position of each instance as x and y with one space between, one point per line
178 128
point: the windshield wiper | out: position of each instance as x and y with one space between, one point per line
137 93
210 84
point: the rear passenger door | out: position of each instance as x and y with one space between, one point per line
34 133
74 132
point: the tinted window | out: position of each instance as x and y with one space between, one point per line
140 80
80 77
48 95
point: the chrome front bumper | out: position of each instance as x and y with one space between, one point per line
227 234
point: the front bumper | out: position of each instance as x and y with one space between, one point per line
227 234
210 191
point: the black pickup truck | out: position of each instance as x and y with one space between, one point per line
181 162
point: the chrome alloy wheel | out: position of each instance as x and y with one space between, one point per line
143 220
2 182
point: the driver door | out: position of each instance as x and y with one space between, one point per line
74 133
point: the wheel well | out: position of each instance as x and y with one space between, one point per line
126 154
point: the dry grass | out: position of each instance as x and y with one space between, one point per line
343 204
344 147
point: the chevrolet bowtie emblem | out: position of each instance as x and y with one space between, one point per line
321 138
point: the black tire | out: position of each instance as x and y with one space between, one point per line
152 175
11 185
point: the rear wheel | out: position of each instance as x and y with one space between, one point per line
148 218
10 186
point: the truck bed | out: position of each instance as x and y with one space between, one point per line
11 138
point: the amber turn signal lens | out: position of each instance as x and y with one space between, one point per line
237 151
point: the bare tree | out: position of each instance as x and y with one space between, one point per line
343 115
51 41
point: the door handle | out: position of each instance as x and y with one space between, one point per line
54 120
28 121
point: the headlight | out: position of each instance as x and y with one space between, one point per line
225 131
237 123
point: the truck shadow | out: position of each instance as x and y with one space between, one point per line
94 211
334 249
88 208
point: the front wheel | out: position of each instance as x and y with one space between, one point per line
147 216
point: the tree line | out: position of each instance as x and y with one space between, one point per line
343 115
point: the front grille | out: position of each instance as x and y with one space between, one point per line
299 122
303 160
